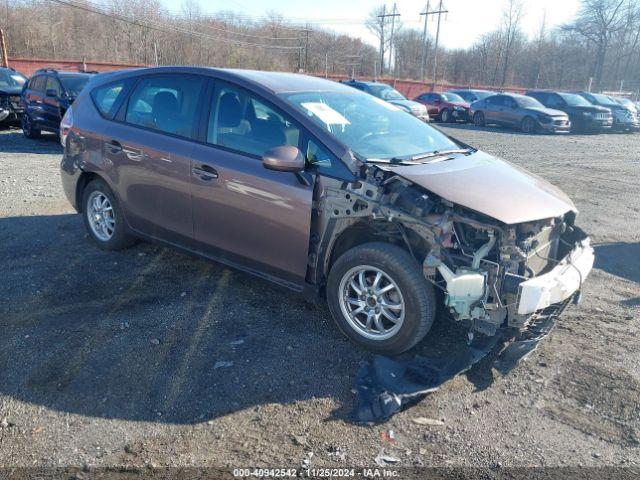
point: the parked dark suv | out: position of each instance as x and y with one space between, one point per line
584 116
46 98
624 119
11 83
325 189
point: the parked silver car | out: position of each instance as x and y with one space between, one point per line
519 111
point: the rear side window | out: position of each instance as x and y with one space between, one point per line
53 84
166 103
104 98
554 101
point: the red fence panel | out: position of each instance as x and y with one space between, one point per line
28 66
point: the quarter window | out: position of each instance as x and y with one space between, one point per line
105 98
317 155
166 103
242 122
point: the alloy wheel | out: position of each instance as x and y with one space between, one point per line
371 302
100 214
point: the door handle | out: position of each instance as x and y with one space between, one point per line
114 147
133 154
205 172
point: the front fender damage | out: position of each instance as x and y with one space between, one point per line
482 266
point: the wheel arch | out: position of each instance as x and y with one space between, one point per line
84 180
362 232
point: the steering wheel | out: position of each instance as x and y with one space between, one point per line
371 134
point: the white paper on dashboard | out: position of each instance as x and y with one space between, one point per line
325 113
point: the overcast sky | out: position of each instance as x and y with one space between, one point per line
465 22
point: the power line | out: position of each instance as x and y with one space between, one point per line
185 17
157 26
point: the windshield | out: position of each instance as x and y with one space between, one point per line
574 100
385 92
603 99
9 78
624 101
371 128
528 102
73 85
452 97
482 94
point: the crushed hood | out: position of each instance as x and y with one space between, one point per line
10 90
490 186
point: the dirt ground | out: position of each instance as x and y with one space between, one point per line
150 357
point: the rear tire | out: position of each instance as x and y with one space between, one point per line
402 299
478 119
28 129
103 217
445 116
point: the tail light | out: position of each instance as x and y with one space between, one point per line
65 126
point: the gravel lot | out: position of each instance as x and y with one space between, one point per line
104 363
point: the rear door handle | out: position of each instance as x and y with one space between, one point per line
205 172
134 154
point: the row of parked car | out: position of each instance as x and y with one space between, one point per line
535 111
38 103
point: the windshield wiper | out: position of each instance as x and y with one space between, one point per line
439 153
416 159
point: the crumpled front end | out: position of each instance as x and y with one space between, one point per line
511 274
491 274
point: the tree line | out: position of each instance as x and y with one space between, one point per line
600 46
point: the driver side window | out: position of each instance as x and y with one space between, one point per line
241 121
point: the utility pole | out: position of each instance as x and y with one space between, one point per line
383 20
326 65
3 50
391 48
435 51
306 48
423 60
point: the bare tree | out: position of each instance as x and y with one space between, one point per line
597 21
511 17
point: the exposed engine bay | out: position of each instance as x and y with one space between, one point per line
490 274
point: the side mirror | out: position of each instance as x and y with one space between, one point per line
283 159
51 92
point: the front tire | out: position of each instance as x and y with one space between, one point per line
103 217
28 129
528 125
379 298
478 119
445 116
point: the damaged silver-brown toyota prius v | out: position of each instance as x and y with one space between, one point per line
322 188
